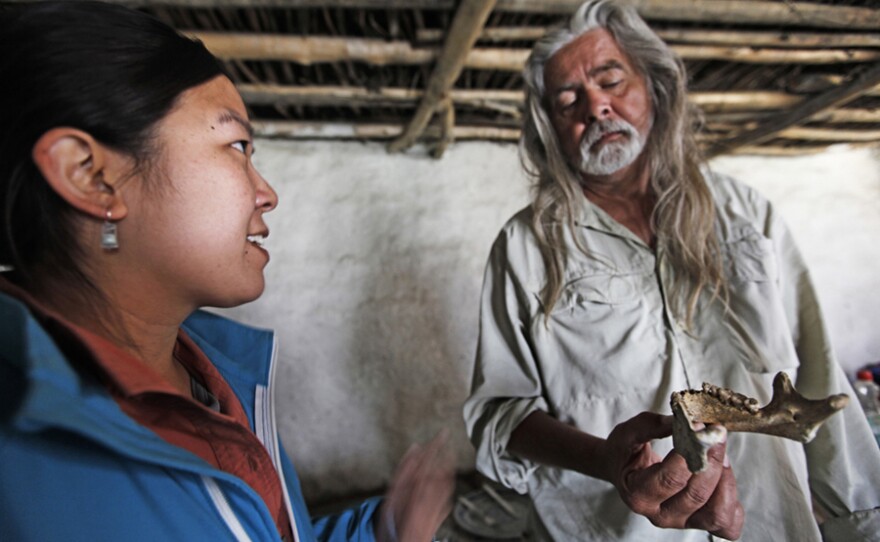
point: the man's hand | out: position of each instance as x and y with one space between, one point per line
419 498
665 491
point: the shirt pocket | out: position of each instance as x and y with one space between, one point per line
756 323
750 257
603 339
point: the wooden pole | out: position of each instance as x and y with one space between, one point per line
341 130
295 4
466 26
814 82
752 12
802 112
313 50
754 55
829 134
359 96
845 115
298 130
743 101
732 120
491 34
713 103
782 40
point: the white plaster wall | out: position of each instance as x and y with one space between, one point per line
376 269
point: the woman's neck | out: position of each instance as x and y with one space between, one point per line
134 326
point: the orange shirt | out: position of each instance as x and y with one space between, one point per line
224 439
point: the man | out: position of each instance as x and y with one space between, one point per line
635 273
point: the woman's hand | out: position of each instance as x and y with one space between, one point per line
665 491
419 498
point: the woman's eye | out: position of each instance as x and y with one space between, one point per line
240 146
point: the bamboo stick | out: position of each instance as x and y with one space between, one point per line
743 101
845 115
343 95
752 12
753 55
490 34
296 130
821 82
710 102
805 40
803 112
342 130
829 134
836 116
469 20
775 151
312 50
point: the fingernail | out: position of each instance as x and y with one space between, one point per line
726 461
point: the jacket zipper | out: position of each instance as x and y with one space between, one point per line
267 431
222 505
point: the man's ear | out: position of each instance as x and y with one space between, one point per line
76 167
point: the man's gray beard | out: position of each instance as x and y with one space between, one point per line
614 155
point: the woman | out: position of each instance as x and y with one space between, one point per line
128 201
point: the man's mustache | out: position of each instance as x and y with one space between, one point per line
600 129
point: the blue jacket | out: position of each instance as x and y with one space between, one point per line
73 466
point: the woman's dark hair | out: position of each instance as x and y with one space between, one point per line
104 69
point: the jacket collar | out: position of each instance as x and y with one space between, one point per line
40 390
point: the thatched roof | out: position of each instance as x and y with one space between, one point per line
771 76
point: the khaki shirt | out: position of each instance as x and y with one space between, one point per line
613 348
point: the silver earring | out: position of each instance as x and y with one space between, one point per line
109 239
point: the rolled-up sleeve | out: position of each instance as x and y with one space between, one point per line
843 461
506 382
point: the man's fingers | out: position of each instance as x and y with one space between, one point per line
700 488
723 514
645 427
653 485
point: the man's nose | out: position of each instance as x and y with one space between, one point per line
598 106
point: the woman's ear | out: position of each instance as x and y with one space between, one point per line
76 167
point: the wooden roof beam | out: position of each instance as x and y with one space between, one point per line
328 95
373 131
803 112
305 130
753 12
324 49
779 39
466 27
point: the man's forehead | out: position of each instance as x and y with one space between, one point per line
590 54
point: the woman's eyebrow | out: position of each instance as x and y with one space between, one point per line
231 116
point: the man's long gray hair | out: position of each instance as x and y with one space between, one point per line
684 215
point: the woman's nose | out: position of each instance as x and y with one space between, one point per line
267 199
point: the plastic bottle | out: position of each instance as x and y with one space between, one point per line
868 393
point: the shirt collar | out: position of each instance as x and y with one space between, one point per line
125 373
